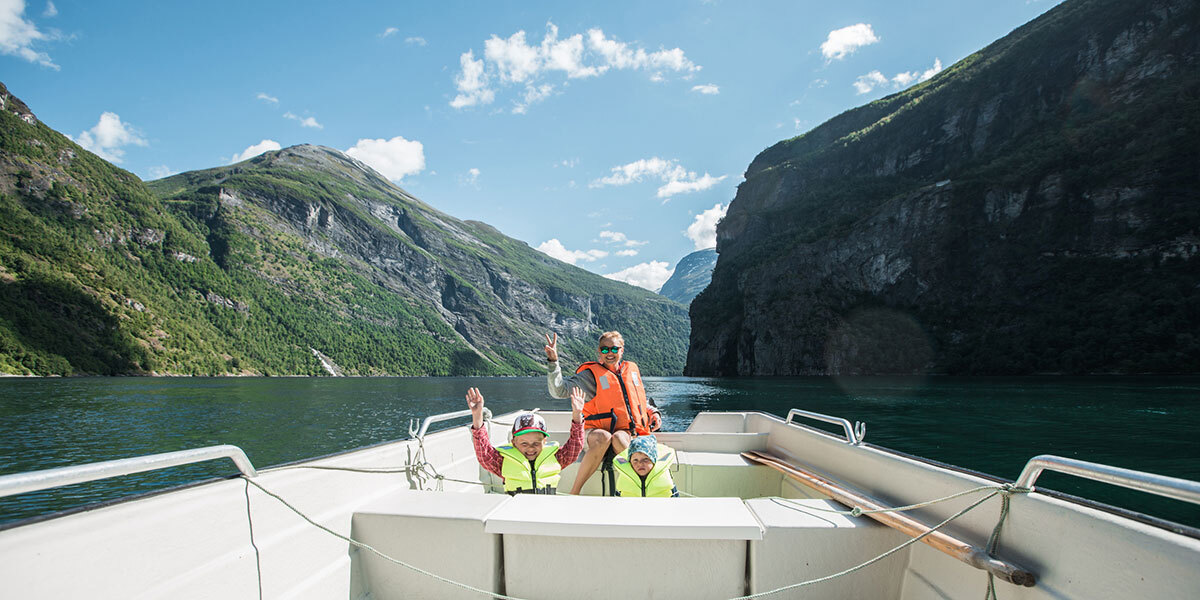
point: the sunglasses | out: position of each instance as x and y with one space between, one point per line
608 349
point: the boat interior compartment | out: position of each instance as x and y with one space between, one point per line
593 547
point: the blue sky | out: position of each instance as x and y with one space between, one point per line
610 135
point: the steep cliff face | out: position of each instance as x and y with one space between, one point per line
691 276
1034 208
301 261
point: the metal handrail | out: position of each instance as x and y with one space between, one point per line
33 481
420 433
854 433
1171 487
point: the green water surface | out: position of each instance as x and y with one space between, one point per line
992 425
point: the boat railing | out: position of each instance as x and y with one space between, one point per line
430 420
1171 487
854 433
20 483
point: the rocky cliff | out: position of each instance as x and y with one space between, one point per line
300 261
1033 208
691 276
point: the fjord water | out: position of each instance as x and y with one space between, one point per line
992 425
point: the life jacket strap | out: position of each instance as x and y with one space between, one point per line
610 415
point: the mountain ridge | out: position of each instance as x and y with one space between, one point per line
277 265
691 275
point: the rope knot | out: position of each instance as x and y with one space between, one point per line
856 511
1012 488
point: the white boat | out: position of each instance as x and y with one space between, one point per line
419 518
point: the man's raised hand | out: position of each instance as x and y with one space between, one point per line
552 348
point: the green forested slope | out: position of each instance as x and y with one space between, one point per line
248 269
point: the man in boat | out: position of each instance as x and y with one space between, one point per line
528 463
616 410
644 469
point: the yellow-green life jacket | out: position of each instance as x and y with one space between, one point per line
658 482
521 477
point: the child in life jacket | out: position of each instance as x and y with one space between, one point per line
644 469
528 463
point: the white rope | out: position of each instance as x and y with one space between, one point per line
369 548
996 491
873 560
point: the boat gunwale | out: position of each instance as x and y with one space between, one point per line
1139 517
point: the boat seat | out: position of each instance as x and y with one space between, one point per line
437 531
697 546
802 540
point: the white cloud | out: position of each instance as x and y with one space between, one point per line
928 74
616 237
390 31
514 61
676 187
472 83
304 121
265 97
108 137
393 158
870 81
17 36
875 79
651 275
415 41
51 10
566 55
569 163
255 150
677 180
533 95
703 230
628 252
845 41
161 171
472 177
555 249
708 88
619 55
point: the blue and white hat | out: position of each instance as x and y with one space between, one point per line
646 444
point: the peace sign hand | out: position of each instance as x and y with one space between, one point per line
552 348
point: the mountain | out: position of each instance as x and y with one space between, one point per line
300 261
691 276
1033 208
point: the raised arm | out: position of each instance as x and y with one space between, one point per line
475 403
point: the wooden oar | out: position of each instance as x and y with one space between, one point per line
963 551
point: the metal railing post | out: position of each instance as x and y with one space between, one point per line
854 433
1171 487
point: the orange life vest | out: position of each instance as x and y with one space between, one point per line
620 400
